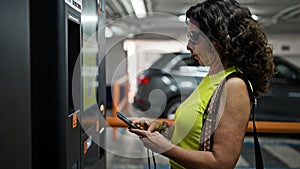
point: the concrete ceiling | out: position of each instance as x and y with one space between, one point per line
278 16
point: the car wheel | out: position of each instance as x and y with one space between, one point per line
171 108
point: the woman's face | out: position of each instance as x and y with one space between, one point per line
199 45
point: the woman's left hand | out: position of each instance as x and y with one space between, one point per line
153 140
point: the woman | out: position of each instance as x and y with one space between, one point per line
221 35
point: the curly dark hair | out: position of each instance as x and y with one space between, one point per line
238 38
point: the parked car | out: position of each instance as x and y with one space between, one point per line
168 82
281 103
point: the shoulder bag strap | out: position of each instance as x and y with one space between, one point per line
206 138
258 156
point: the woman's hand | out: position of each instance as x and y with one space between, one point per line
153 140
148 124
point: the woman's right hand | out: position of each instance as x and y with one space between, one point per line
148 124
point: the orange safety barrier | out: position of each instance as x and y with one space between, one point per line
275 127
261 126
116 122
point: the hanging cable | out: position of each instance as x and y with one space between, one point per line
154 162
153 158
148 158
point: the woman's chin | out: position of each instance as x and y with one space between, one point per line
200 62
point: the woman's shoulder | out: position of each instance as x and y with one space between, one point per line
236 89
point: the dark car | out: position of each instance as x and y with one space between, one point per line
167 82
282 103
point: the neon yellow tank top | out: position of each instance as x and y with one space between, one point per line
188 116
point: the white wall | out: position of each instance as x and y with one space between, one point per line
285 44
115 59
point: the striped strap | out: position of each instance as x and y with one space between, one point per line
209 124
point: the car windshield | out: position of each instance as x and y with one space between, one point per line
163 60
293 59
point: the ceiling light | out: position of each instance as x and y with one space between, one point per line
255 17
139 8
182 18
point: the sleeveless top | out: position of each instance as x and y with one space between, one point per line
189 115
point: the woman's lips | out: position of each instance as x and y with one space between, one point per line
195 56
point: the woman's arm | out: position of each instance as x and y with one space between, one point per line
228 136
229 133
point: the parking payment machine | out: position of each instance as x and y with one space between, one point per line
53 84
86 95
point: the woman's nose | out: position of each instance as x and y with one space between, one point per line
188 47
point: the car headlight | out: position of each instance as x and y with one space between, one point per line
173 88
166 80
